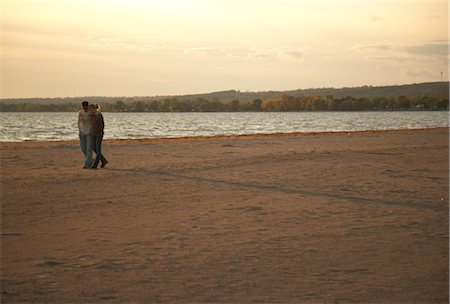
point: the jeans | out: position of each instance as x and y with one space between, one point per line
98 150
86 146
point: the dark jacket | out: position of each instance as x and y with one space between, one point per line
97 124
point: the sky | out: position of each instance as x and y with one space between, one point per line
71 48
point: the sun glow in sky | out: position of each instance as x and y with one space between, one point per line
62 48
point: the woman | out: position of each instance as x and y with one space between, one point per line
97 126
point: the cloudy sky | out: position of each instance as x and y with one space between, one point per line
63 48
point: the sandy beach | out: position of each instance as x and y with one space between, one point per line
301 218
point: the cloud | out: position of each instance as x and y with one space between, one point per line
247 53
46 43
419 73
376 18
297 55
373 48
205 51
427 50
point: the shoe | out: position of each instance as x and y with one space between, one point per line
104 164
86 167
93 167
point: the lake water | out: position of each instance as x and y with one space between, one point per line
63 126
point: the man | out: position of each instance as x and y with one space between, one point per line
84 128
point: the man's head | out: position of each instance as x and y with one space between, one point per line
85 105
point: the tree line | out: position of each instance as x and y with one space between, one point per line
284 103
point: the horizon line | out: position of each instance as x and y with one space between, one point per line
229 90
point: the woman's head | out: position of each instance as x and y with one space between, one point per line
94 107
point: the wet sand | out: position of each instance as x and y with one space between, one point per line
302 218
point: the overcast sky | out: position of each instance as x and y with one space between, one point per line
65 48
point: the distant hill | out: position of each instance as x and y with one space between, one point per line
433 89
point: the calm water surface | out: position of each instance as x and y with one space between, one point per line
63 126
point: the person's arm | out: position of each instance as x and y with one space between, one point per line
79 121
102 122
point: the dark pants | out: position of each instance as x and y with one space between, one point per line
97 139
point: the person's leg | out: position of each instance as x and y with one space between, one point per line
100 154
102 157
89 147
83 143
97 150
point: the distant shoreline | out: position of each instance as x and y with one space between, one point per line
118 141
423 96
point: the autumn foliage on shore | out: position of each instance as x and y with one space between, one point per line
285 103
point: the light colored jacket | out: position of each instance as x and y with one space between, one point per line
84 124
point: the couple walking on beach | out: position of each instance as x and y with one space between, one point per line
90 127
